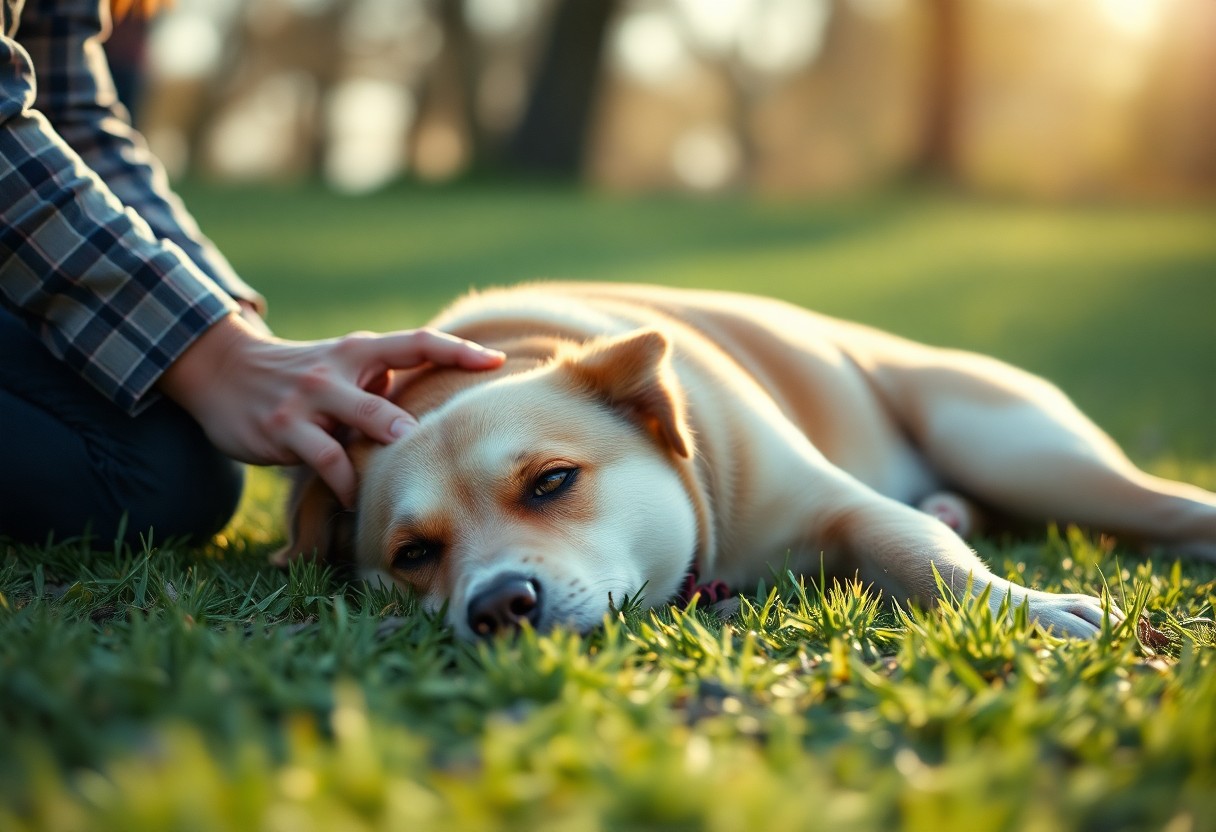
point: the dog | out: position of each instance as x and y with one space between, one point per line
636 434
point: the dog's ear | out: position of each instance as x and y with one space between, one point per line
320 528
633 373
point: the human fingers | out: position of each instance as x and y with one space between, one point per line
401 350
371 414
325 455
380 384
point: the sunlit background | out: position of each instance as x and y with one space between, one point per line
1032 179
1057 99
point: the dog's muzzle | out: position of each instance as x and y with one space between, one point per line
505 604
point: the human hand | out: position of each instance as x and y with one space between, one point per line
268 401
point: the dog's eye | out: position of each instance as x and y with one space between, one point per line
552 483
413 554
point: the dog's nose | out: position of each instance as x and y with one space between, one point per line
509 601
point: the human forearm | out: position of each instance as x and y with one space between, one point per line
77 96
102 292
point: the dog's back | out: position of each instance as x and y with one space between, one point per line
799 440
810 370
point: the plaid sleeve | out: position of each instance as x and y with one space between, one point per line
105 295
76 93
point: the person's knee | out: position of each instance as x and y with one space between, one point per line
193 505
187 489
75 465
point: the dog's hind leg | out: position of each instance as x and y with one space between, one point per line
1013 440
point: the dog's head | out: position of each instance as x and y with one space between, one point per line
537 496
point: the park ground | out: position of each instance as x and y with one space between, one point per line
199 689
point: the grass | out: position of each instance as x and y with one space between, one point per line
198 689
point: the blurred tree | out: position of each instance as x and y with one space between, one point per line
552 135
781 96
944 54
1180 152
126 53
448 89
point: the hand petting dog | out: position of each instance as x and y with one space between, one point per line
268 401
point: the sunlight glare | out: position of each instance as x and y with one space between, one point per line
648 47
715 24
1136 18
252 139
367 121
706 158
784 35
502 18
185 45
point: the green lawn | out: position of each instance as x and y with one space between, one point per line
200 689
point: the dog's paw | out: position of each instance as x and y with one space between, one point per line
955 511
1075 616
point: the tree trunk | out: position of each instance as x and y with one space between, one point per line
450 83
552 135
942 98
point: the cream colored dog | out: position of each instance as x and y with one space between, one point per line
636 433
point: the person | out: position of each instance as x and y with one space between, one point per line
136 372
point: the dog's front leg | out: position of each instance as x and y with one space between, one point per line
898 548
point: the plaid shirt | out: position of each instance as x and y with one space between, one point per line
96 253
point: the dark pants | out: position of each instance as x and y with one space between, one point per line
73 463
